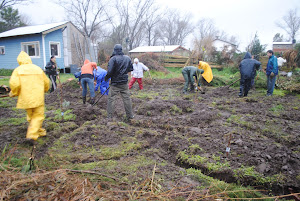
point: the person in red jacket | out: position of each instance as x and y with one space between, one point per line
87 78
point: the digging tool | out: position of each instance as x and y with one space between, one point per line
233 83
150 75
61 96
101 96
3 96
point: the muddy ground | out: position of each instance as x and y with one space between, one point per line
176 133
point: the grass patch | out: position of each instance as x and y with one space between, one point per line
13 121
67 115
220 189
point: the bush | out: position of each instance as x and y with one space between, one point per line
6 72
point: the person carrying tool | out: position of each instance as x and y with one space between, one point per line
51 71
188 73
29 83
87 78
99 76
207 75
248 67
118 68
137 73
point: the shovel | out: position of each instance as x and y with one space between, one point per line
101 96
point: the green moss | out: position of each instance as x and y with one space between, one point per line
216 187
175 109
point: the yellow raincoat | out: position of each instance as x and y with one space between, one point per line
207 75
29 83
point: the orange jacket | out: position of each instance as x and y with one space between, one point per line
88 67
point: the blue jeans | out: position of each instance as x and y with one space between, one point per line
270 84
87 81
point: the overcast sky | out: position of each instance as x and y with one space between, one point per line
241 18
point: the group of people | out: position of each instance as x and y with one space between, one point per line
248 68
29 82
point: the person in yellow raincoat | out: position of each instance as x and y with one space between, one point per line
29 83
207 75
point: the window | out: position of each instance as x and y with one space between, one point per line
55 49
2 50
31 48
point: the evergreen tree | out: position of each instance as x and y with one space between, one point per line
10 19
255 48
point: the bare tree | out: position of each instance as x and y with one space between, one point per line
88 15
204 35
278 38
153 18
175 27
132 16
290 23
7 3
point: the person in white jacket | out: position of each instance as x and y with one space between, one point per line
137 73
280 61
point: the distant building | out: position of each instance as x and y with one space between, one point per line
63 40
221 44
168 49
281 47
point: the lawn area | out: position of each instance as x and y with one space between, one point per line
4 80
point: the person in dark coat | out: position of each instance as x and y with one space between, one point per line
118 68
189 72
51 71
248 67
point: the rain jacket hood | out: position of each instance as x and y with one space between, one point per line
248 56
29 83
24 58
86 61
207 75
117 50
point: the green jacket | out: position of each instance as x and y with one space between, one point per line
192 71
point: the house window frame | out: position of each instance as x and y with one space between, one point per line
2 47
58 48
36 43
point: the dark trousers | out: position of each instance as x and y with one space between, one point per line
124 91
53 81
245 85
187 82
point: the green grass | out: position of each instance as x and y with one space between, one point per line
173 73
63 78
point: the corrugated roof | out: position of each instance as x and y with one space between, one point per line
282 43
31 29
167 48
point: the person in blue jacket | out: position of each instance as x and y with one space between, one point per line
78 76
248 67
99 76
271 72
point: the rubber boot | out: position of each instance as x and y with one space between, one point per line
92 101
84 99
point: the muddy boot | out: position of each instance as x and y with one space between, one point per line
84 99
92 101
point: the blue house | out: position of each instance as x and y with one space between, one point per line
62 40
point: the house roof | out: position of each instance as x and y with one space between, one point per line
167 48
44 28
282 43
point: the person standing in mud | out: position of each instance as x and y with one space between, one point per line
118 68
137 73
189 72
29 83
87 78
51 71
248 67
271 72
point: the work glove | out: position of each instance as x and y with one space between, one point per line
272 74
